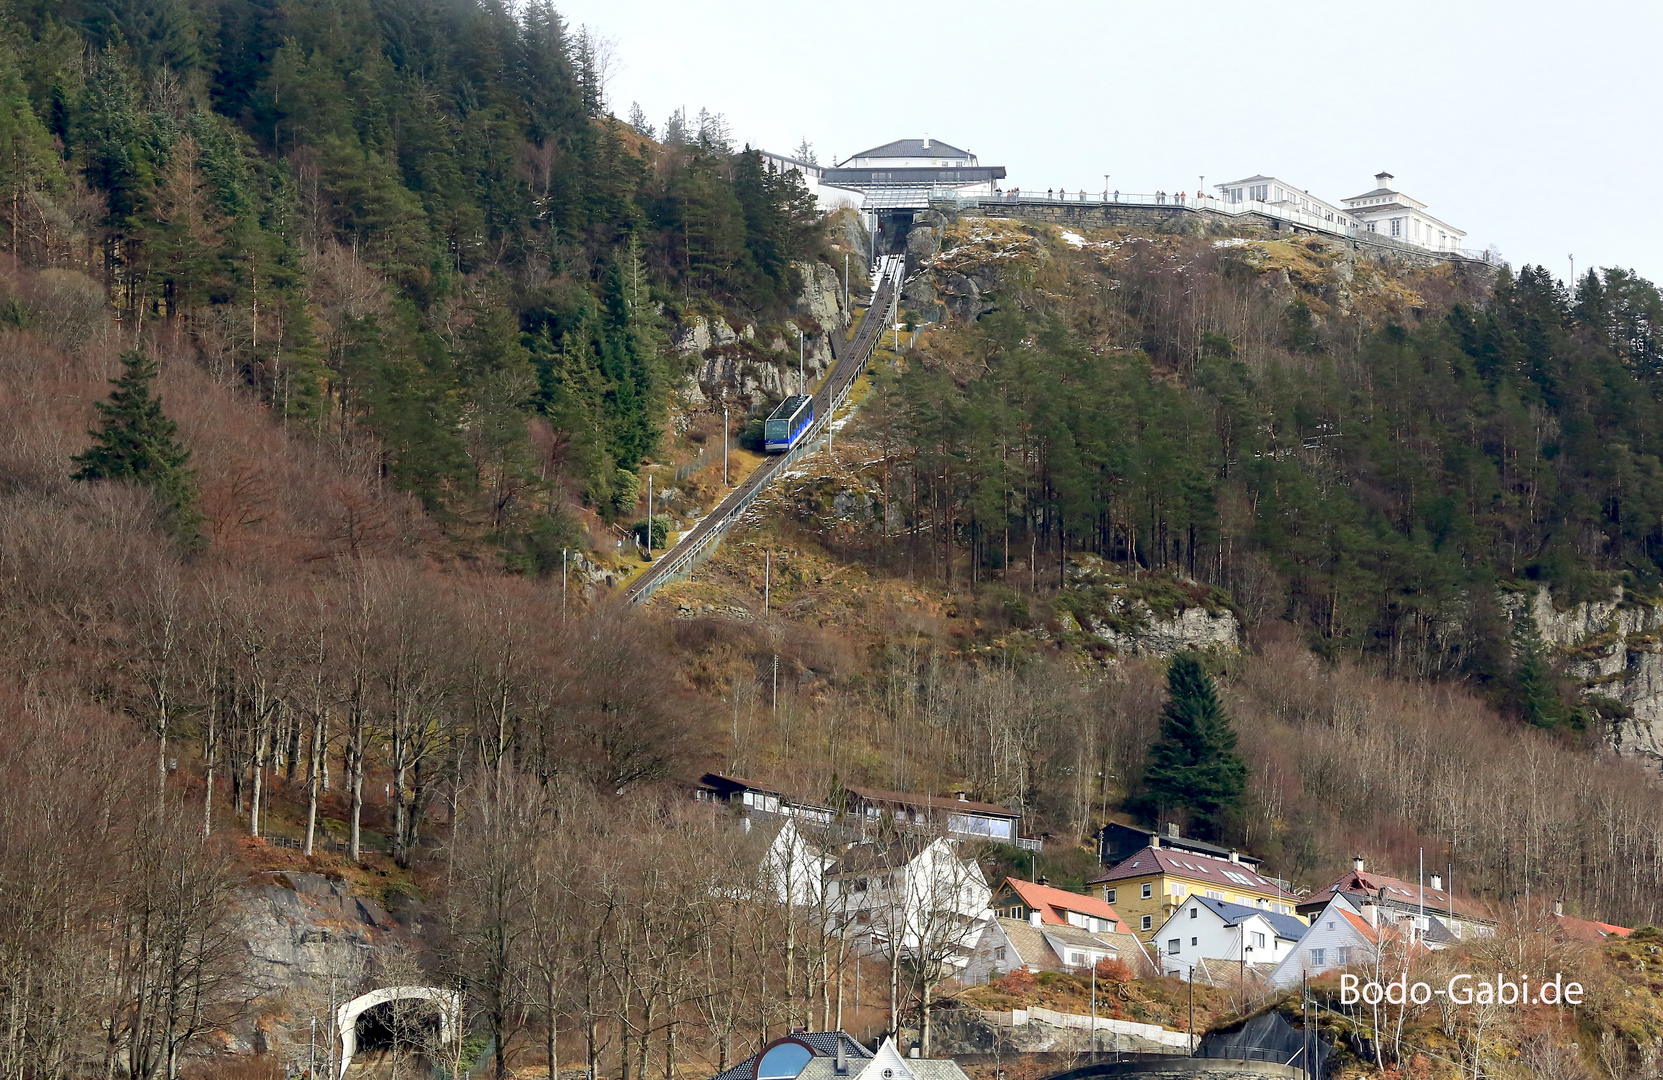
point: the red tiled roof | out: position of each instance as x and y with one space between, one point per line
1397 890
1589 929
1054 904
1191 866
930 802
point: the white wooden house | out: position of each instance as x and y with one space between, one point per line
1205 929
1007 945
912 896
1386 211
794 867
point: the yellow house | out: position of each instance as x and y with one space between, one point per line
1149 885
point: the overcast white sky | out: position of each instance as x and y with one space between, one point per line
1534 126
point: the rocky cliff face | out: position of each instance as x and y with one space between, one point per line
311 946
734 366
1154 616
1612 647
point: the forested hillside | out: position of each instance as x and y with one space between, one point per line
1375 460
386 294
411 221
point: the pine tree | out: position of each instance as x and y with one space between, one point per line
1194 764
1534 690
139 442
638 120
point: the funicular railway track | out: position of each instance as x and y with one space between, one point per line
850 360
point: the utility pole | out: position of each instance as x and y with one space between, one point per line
776 705
562 584
767 577
649 515
802 371
726 438
1191 1029
1093 1004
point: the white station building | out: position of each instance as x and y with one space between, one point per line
1389 212
1384 211
901 174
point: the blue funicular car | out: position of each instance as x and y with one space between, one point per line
787 423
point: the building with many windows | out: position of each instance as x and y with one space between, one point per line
1388 212
1275 192
1203 929
1150 885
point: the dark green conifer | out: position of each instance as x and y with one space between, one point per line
138 441
1194 764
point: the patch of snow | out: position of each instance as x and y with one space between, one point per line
1234 241
1073 239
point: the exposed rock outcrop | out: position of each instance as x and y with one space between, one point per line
1613 648
1158 615
311 945
733 366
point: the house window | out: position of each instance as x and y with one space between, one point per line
1214 894
1258 941
1194 941
860 884
1259 192
1318 957
1108 894
1342 955
1174 947
1194 912
999 953
1076 959
1148 890
1397 226
1148 922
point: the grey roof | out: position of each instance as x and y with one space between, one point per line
936 1069
905 148
873 856
824 1045
1436 932
821 1068
1286 926
1034 950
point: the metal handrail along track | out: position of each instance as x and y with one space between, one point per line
680 560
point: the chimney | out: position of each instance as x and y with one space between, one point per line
1558 908
1357 864
1437 882
926 140
1235 856
1172 829
961 796
1383 179
1043 880
842 1055
1371 912
1155 840
1033 918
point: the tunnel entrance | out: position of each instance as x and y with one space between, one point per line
413 1024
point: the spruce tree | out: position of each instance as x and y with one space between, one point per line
139 442
1194 764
